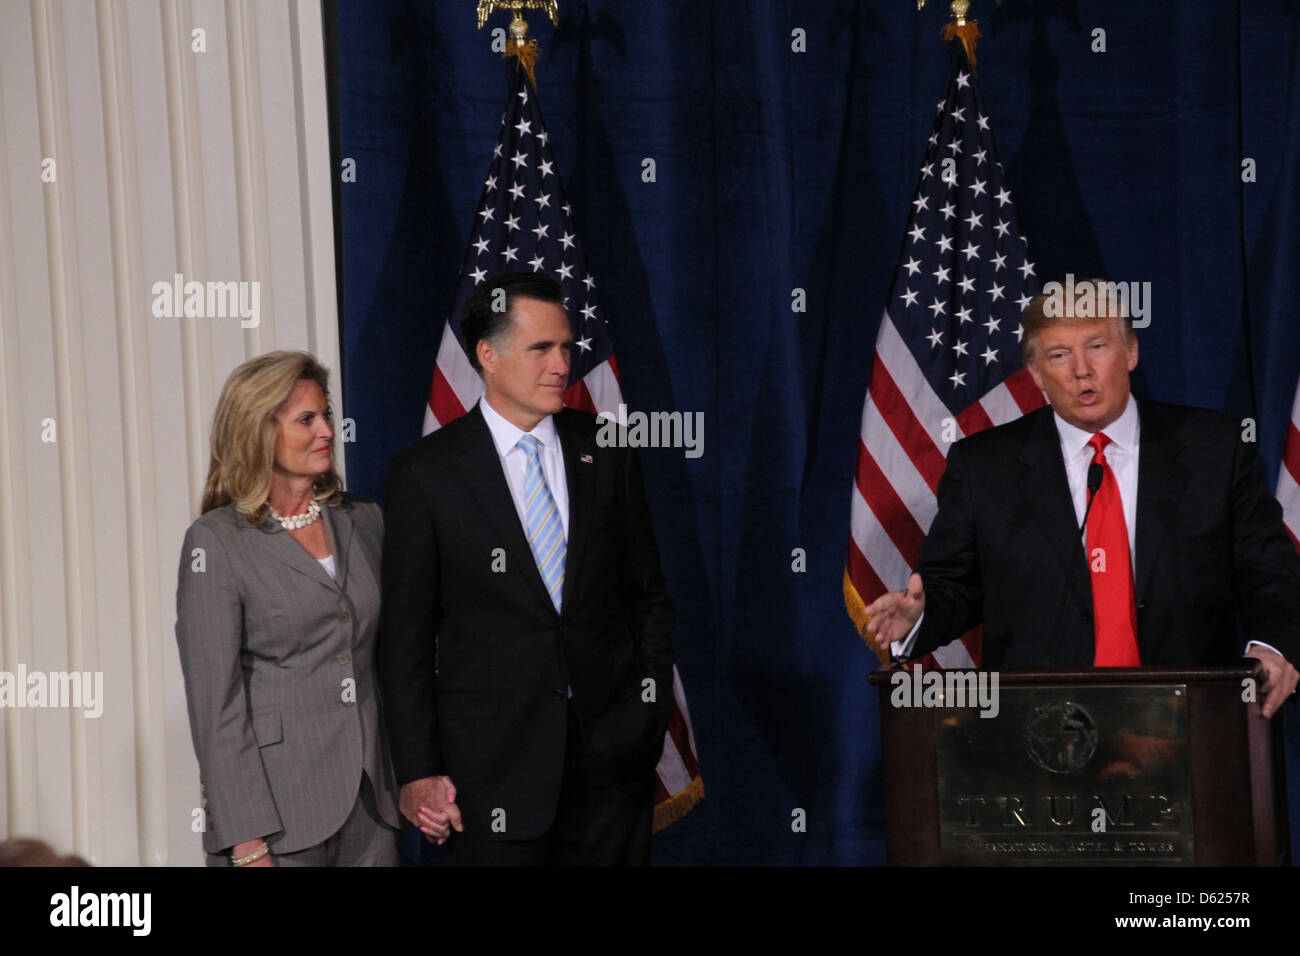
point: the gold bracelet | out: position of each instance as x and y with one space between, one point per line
255 855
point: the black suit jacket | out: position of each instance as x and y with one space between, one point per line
494 718
1005 551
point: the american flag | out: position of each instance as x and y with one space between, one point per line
947 360
1288 478
524 222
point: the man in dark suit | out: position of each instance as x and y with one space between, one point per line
1006 550
522 551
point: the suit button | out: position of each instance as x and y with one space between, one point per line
560 694
342 660
344 616
348 703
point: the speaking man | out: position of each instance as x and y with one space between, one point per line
525 656
1181 534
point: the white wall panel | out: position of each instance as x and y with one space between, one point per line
211 164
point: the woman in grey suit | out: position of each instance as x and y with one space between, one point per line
277 610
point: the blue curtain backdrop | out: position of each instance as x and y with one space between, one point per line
778 170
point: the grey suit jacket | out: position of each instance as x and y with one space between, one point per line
278 664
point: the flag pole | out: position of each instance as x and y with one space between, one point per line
520 45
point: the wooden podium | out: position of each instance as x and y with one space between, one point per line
1127 766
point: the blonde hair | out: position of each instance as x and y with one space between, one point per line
245 428
1034 319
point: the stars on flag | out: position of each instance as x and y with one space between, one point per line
524 222
964 277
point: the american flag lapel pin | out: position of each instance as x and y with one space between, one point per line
585 459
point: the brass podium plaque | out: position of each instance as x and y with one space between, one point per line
1090 775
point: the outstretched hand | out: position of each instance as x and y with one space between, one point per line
893 615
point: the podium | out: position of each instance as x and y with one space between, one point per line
1108 766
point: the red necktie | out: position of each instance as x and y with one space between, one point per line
1114 603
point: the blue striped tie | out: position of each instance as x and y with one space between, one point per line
542 523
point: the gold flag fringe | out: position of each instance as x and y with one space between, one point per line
527 53
679 804
858 613
967 32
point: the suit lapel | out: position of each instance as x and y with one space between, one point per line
1047 489
1161 474
339 525
580 476
338 529
480 466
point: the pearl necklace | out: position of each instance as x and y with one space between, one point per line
294 522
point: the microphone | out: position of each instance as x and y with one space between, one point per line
1095 474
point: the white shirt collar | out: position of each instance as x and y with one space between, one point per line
506 435
1122 432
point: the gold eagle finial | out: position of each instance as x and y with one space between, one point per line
487 7
520 46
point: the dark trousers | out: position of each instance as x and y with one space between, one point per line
600 820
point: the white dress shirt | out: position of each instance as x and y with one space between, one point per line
514 461
1122 457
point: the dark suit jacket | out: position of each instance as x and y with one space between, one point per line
1005 551
267 639
457 566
